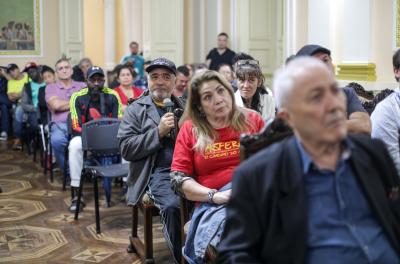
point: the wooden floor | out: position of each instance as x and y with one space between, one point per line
36 226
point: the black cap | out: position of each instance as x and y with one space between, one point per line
11 67
310 50
162 63
94 70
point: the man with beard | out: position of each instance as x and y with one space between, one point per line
146 140
320 196
87 105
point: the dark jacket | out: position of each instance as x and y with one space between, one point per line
139 143
266 216
27 103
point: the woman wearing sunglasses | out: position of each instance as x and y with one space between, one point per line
251 91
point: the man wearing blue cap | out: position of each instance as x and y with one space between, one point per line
358 119
145 138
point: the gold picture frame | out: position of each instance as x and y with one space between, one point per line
21 28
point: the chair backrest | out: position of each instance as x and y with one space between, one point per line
274 131
100 136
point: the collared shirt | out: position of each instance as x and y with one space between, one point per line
341 225
57 89
385 120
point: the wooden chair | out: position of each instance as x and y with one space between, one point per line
274 131
146 205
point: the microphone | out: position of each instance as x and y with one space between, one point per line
169 105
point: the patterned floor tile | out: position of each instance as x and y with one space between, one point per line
45 193
64 218
5 156
117 230
12 209
23 243
7 169
94 255
9 187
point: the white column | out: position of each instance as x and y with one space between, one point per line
319 23
133 23
109 34
290 27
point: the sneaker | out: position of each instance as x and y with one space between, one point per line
72 207
17 145
3 136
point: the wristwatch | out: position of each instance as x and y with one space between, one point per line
211 195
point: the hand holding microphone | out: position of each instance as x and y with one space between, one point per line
167 122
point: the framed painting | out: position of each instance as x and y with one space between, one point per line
21 28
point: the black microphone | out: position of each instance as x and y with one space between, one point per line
169 105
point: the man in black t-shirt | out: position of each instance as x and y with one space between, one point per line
221 54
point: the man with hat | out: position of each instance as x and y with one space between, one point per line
357 118
145 140
87 105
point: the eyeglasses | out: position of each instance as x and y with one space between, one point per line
247 62
165 77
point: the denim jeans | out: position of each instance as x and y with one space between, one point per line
206 227
168 203
31 119
5 105
59 141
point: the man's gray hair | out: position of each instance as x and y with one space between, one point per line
85 60
285 77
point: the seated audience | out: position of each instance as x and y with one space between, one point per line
205 156
49 77
181 81
320 196
57 96
226 70
28 112
146 138
5 105
85 106
125 90
251 92
16 82
386 118
80 70
358 119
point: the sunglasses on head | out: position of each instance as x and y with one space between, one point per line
247 62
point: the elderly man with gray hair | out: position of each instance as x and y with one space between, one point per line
320 196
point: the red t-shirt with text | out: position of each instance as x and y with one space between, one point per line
214 167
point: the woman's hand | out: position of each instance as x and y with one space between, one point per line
222 197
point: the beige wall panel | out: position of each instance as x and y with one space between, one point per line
51 41
94 31
71 29
163 29
260 32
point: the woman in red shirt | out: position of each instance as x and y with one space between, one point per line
206 154
125 89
